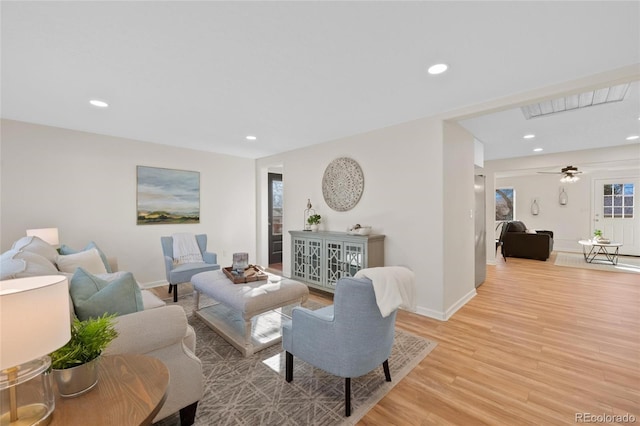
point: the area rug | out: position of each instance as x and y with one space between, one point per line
253 391
629 264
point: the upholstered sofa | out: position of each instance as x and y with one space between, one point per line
155 330
518 241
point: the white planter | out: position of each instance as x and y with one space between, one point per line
314 228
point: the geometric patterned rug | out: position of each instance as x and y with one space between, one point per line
253 391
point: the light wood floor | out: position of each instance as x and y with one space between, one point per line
538 344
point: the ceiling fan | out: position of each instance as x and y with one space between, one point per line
568 174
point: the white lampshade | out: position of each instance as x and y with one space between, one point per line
49 235
34 318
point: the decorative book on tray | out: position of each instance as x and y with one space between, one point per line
250 274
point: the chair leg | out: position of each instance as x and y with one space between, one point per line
175 292
288 367
188 414
387 373
347 396
170 288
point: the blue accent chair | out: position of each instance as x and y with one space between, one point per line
348 339
178 274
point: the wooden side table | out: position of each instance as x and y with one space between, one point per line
130 391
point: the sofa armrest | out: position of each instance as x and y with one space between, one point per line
168 266
549 233
140 332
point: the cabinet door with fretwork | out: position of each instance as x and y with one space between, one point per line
306 259
342 259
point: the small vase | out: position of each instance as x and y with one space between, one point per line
75 381
314 228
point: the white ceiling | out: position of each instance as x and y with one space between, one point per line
203 75
596 126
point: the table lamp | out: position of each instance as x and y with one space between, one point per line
49 235
34 321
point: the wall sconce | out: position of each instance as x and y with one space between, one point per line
563 198
535 208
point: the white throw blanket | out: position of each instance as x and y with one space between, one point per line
185 249
394 286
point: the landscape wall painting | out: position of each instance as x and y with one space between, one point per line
168 196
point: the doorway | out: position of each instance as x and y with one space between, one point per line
616 212
275 221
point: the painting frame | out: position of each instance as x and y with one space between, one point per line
505 202
167 196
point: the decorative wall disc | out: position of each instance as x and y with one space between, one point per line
342 184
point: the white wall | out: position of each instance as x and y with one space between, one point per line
403 199
570 222
459 224
85 184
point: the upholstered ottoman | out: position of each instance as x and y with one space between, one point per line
249 316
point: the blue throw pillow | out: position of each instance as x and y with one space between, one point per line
92 297
65 250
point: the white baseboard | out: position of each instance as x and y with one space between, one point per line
460 303
431 313
153 284
444 316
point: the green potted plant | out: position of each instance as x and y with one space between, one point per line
597 235
314 221
75 365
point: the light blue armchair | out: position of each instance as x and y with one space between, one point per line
348 339
178 274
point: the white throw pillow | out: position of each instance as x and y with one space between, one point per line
38 246
89 260
530 231
21 264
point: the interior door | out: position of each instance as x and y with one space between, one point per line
275 218
616 212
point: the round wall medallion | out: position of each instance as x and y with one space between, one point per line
342 184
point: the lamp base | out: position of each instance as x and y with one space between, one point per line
26 394
29 415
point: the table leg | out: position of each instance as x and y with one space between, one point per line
593 252
247 337
601 250
196 300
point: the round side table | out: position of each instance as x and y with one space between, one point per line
130 391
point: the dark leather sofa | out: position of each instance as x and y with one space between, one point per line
516 242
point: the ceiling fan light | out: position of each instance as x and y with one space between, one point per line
569 179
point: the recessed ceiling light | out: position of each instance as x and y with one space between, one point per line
251 138
633 137
537 149
529 136
98 103
437 69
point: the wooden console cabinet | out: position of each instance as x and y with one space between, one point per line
320 259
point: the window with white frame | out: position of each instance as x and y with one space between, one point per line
618 200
